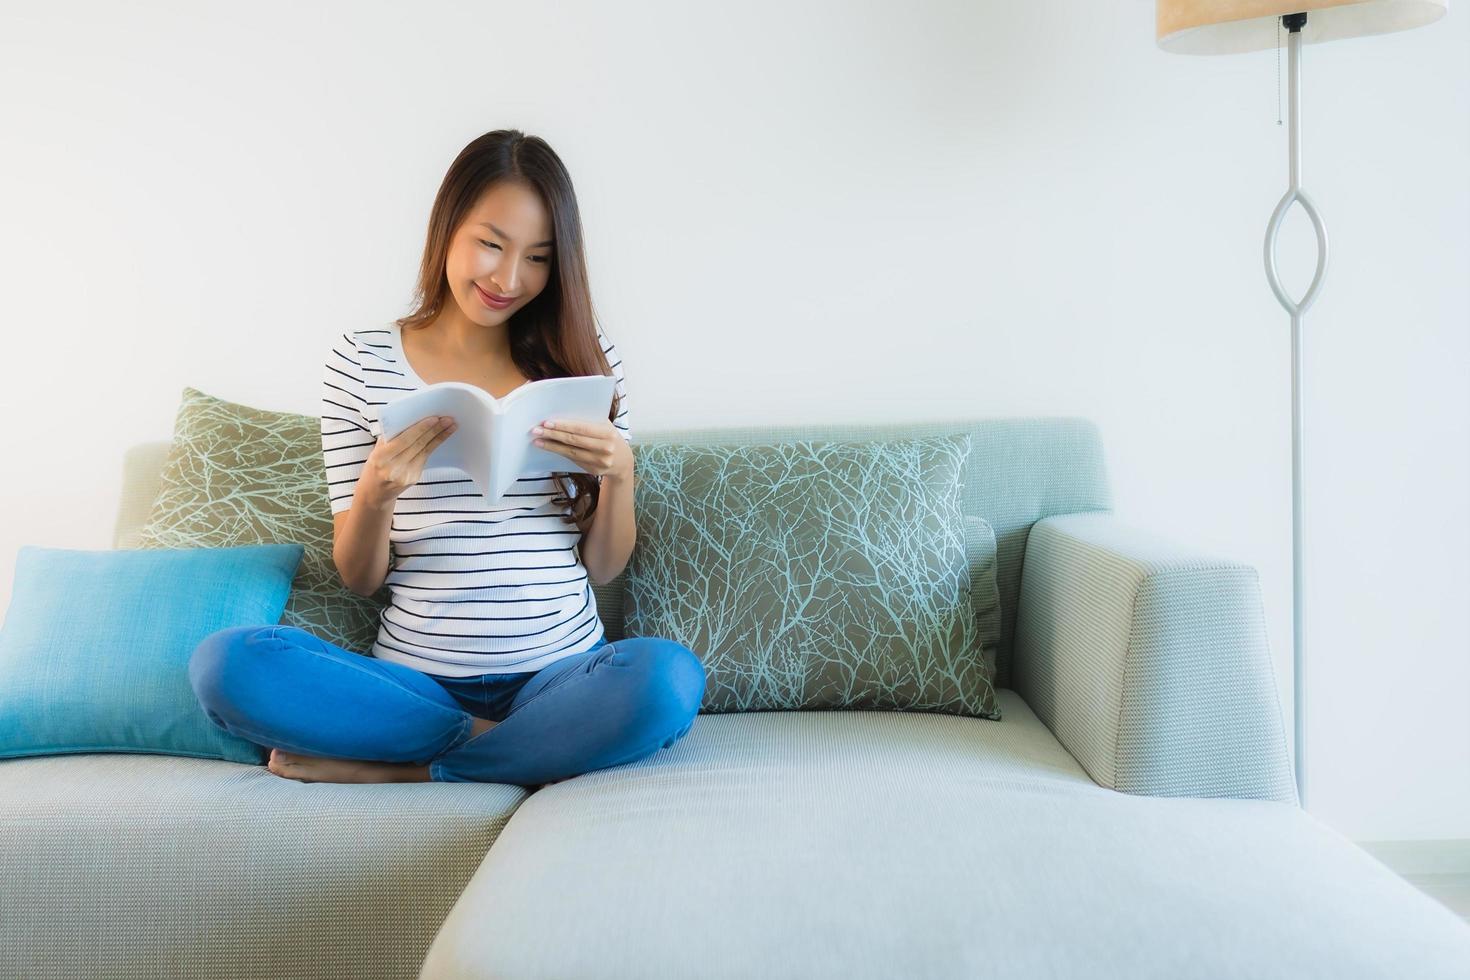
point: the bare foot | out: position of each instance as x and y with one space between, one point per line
319 769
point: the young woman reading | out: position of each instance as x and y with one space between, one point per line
491 664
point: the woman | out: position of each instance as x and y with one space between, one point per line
491 664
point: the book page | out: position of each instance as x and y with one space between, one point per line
468 448
587 398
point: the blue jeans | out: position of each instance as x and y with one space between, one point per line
283 687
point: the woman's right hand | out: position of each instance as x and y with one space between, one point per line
396 464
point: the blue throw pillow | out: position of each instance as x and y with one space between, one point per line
94 650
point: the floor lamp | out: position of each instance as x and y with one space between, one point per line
1233 26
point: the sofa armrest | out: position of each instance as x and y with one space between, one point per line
1149 662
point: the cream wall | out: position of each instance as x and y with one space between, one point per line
826 211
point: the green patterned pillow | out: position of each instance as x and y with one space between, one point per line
813 575
238 475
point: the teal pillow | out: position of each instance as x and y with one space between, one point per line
94 650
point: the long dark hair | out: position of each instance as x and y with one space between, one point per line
555 334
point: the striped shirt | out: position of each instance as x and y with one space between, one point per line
474 589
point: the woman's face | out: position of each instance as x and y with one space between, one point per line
503 248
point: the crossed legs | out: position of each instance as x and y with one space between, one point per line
333 715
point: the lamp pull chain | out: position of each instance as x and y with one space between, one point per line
1278 71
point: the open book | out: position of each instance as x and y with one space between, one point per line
492 444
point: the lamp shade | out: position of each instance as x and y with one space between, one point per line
1233 26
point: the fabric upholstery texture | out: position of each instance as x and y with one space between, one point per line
984 590
1150 662
95 645
241 475
143 867
813 575
878 844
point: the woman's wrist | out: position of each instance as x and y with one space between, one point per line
616 478
372 497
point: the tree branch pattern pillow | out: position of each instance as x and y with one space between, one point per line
812 575
238 475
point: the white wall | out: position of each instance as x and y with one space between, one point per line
827 211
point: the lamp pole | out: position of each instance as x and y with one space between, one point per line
1295 195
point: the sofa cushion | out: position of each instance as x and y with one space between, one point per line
862 844
1020 470
241 475
136 867
813 575
95 645
982 557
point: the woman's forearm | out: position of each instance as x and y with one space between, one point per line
360 550
609 542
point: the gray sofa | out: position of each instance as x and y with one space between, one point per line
1132 815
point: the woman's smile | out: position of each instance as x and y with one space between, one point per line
491 300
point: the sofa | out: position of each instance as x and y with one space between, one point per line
1132 813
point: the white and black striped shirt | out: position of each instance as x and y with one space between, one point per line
474 589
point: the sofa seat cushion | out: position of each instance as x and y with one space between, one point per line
140 865
886 844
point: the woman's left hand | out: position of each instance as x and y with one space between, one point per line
598 447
